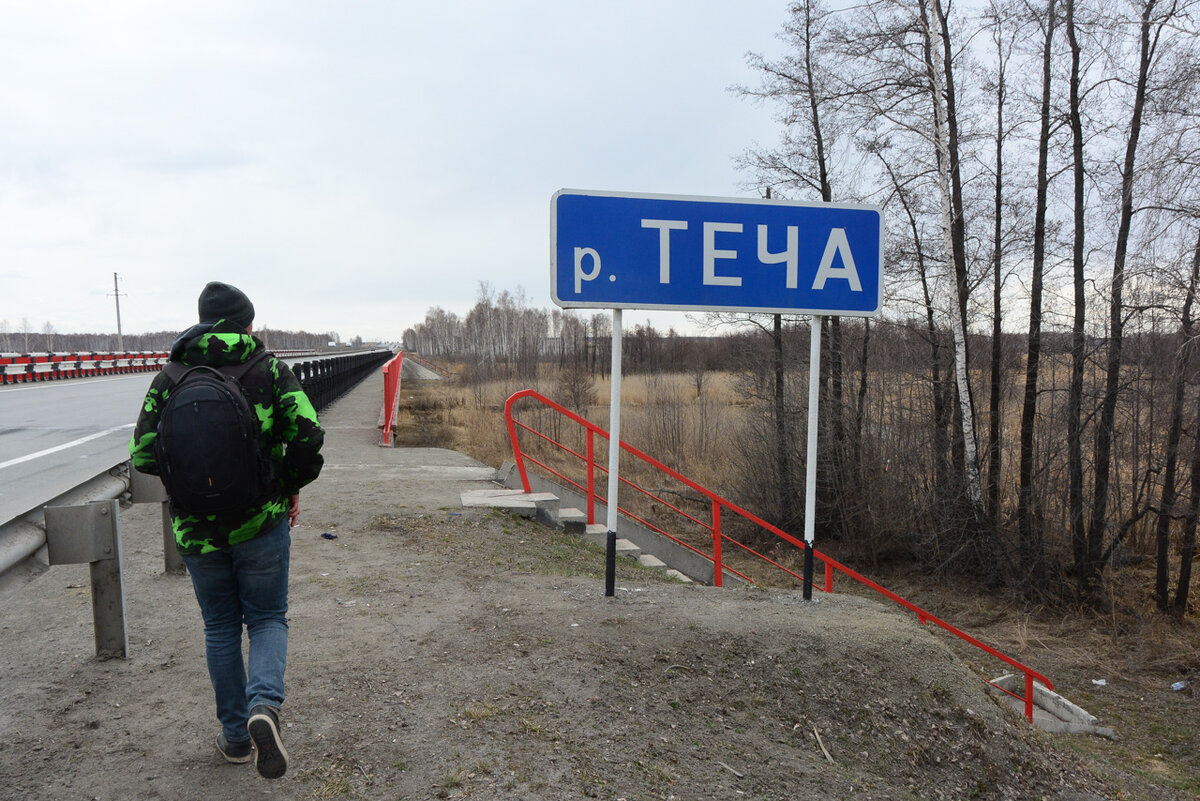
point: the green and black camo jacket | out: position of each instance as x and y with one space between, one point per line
289 428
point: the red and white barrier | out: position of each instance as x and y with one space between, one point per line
20 368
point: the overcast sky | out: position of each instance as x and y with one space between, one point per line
348 164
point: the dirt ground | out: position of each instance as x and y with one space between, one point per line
441 652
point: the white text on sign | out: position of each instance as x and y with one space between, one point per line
837 245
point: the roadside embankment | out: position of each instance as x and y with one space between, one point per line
442 652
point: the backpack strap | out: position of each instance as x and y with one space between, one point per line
236 371
176 370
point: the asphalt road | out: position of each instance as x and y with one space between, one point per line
56 435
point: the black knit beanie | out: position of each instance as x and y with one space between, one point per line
224 302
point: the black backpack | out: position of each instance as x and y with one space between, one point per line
207 448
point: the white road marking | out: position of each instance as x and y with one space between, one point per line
31 385
63 447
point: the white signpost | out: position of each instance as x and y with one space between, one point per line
628 251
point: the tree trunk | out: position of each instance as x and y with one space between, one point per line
860 405
1166 507
1029 532
1078 339
783 444
945 137
994 446
1187 549
941 414
1108 407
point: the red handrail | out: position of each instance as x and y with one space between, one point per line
719 537
391 389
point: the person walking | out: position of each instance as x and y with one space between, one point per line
234 531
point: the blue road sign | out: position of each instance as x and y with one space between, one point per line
616 250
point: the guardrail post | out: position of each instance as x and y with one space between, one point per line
149 489
91 533
172 561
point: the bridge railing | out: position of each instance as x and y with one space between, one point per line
326 379
21 368
391 393
81 525
590 464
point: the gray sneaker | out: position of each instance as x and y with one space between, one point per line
272 758
237 753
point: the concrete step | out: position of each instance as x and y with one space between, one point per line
627 548
572 520
675 574
523 504
544 506
597 534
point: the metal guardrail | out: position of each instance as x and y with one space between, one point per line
80 526
720 537
24 538
327 379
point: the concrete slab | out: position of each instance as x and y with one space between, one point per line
429 477
1051 711
543 505
412 370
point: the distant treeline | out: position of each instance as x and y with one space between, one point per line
504 337
50 341
895 453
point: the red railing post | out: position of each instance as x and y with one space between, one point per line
518 455
828 577
591 477
718 571
1029 696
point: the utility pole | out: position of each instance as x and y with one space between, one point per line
117 296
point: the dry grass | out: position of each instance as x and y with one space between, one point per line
1138 652
664 416
654 409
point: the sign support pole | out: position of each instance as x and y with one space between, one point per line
608 248
614 458
810 480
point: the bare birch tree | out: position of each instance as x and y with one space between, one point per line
798 84
1004 31
938 63
1154 22
1183 360
1032 548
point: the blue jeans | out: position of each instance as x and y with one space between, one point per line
245 584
